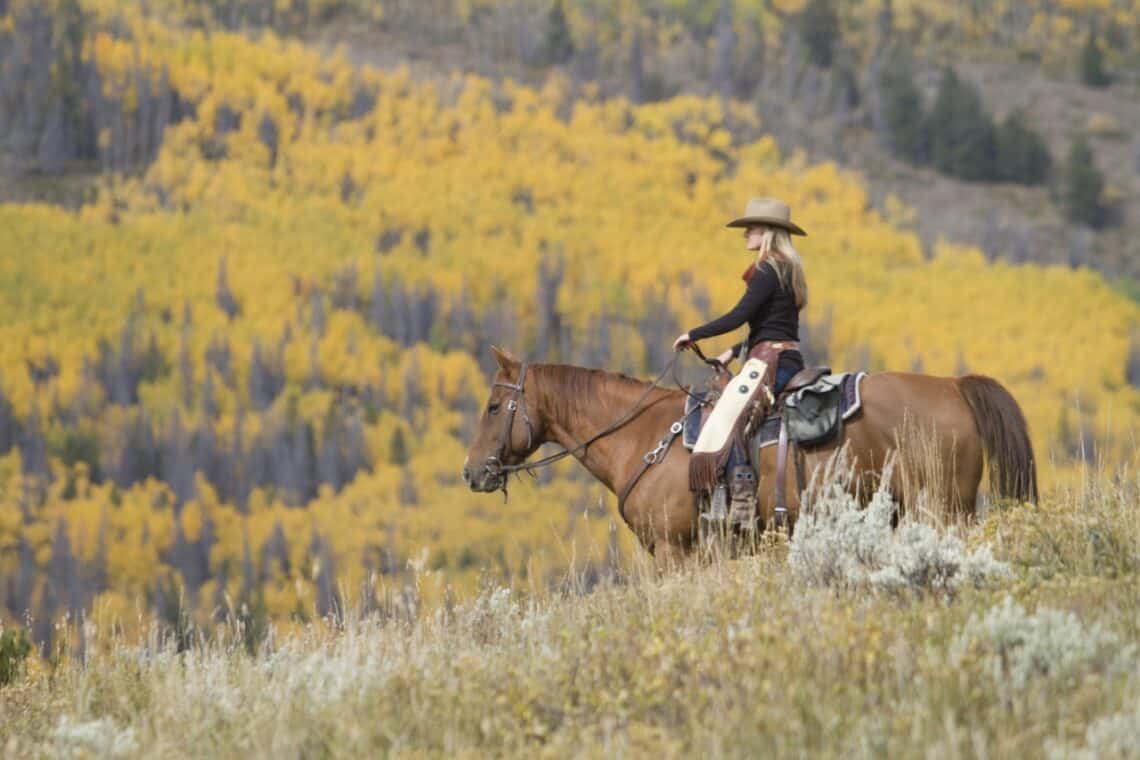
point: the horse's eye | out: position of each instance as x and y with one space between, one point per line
493 407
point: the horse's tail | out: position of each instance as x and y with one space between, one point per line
1005 437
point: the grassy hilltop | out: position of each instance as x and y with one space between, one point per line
1034 655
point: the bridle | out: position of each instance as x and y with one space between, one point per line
494 464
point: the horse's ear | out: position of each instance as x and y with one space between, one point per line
504 358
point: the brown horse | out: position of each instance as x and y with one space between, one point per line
958 422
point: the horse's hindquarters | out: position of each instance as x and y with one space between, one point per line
920 428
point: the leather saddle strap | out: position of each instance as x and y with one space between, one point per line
782 475
650 459
801 476
628 487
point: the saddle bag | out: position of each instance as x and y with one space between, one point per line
812 413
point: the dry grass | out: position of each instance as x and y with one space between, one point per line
736 658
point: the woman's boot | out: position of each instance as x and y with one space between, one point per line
742 497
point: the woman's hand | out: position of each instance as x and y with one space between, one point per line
725 357
682 342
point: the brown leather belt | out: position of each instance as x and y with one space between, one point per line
777 345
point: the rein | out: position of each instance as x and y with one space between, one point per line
717 365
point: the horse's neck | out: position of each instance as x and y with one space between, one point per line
584 403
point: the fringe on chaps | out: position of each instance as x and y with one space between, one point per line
706 467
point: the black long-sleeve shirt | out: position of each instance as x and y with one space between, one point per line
768 308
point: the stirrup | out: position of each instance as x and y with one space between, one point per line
780 518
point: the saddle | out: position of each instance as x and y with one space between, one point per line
809 412
827 395
804 378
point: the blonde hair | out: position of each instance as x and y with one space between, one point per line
776 247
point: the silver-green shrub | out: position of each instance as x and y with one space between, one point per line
836 543
92 738
1116 735
1016 647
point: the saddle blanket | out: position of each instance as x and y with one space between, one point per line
852 392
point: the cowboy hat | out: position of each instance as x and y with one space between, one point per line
768 211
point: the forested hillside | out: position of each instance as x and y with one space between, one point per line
1039 160
1040 96
239 378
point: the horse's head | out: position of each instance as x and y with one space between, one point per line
509 429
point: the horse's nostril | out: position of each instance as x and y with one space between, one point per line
467 476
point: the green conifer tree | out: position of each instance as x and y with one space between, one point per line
1092 71
902 109
963 141
398 453
1083 185
819 29
1022 155
559 40
1132 362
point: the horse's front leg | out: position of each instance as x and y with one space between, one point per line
663 514
666 528
668 557
676 536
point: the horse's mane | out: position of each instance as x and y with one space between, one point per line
567 381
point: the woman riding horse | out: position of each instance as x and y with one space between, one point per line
622 430
775 294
